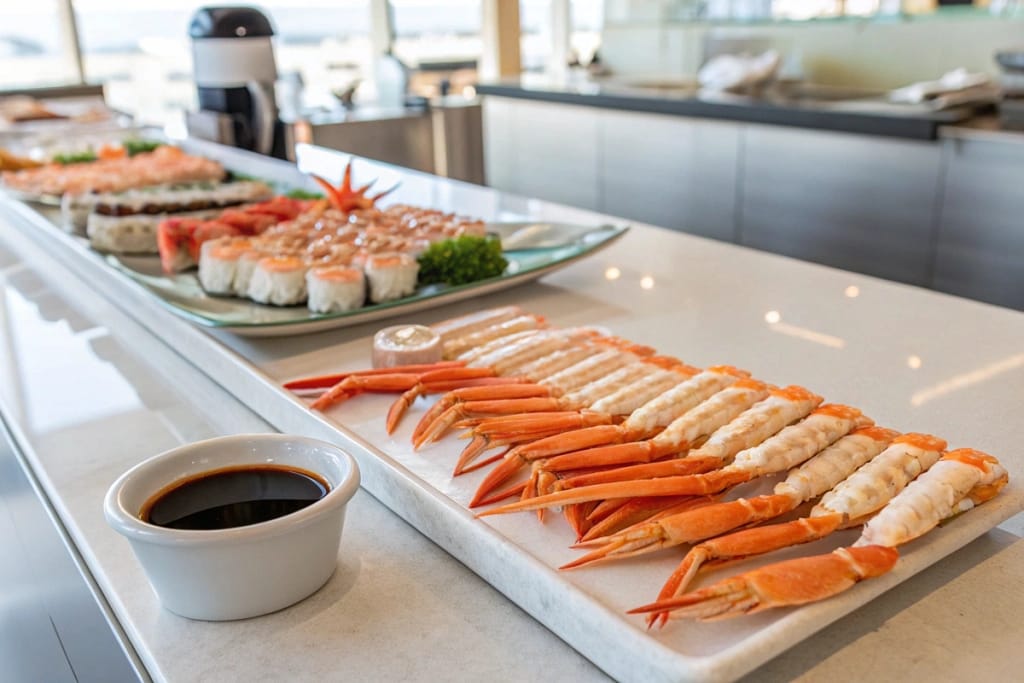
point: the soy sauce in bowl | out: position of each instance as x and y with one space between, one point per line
233 497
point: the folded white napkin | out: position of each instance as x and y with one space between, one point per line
737 72
955 81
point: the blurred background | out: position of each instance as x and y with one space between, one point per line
140 50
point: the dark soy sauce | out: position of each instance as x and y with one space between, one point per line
233 497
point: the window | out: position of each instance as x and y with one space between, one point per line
535 37
33 49
440 39
536 20
141 50
436 30
587 18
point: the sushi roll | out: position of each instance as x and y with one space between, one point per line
335 288
218 263
244 268
279 280
130 234
391 276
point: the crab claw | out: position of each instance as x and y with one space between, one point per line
793 582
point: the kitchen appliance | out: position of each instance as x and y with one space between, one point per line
235 72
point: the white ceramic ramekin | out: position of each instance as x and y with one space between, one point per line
244 571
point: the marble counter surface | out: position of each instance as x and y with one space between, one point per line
91 393
399 608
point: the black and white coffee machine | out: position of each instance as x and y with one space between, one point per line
235 71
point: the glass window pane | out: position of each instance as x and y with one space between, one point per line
436 30
142 52
587 19
32 49
441 38
536 19
535 34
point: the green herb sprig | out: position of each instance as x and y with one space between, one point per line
75 157
299 193
135 146
460 260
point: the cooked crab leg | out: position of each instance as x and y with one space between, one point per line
647 420
645 378
451 329
393 382
510 351
848 503
647 403
454 348
693 427
764 419
470 323
787 449
534 371
614 394
679 436
818 474
567 379
327 381
346 385
961 480
794 582
806 482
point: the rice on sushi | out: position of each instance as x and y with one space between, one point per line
391 276
128 222
279 280
244 268
131 234
333 289
218 262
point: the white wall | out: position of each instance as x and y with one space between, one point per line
880 54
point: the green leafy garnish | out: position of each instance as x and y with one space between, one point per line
75 157
461 260
136 146
299 193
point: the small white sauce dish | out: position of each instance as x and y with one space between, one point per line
243 571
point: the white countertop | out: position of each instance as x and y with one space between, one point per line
94 392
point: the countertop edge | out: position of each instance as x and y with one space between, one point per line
880 125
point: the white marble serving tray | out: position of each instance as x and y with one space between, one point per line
587 607
515 554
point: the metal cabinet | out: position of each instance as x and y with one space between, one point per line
980 250
856 202
543 151
670 171
937 214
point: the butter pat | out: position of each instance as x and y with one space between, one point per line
405 345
